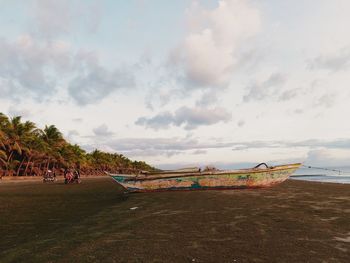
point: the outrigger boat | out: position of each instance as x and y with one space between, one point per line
195 179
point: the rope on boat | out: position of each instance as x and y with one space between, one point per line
261 164
326 169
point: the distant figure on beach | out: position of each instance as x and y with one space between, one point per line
68 173
49 176
71 176
76 174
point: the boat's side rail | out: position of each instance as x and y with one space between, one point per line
223 172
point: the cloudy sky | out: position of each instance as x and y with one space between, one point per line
184 82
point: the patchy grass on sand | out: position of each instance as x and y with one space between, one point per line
95 222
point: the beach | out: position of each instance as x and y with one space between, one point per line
296 221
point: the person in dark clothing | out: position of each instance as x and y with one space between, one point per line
65 173
76 174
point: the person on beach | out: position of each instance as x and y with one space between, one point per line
76 174
48 174
65 173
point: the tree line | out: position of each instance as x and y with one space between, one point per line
26 150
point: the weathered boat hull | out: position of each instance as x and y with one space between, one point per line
237 179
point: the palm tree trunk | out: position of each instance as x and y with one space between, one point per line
26 169
39 170
8 163
48 164
20 165
31 168
10 157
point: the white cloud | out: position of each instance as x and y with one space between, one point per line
208 98
34 68
18 111
191 118
266 89
340 143
27 66
52 19
240 123
207 54
199 152
160 121
327 100
336 61
158 146
96 82
326 157
289 94
72 135
194 117
102 131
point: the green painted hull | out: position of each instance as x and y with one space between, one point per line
236 179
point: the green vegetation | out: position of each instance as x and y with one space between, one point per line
28 150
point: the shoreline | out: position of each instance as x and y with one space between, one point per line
334 179
320 182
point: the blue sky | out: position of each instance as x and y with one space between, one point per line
183 82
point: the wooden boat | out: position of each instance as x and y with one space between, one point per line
259 176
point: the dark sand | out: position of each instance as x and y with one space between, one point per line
92 222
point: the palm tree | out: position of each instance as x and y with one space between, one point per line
11 128
73 155
33 146
54 140
3 141
24 147
3 155
27 134
16 134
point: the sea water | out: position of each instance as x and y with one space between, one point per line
332 175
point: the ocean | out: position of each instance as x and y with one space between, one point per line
320 175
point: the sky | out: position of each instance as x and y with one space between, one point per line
178 83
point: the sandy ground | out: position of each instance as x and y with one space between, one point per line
21 179
95 222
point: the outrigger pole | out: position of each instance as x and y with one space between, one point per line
326 169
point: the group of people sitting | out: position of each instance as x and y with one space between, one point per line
71 176
49 176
